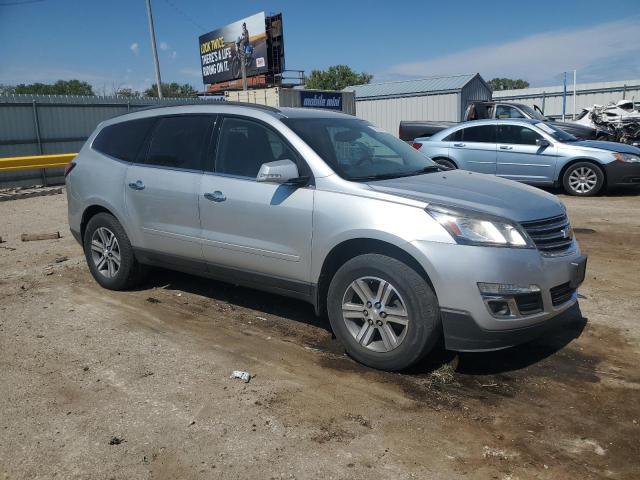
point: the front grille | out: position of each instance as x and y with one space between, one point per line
529 303
561 294
551 235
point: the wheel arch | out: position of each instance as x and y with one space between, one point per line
92 210
351 248
449 159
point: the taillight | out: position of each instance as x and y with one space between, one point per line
416 145
67 169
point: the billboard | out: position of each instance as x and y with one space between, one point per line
223 50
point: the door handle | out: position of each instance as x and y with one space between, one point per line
137 185
216 196
505 147
459 144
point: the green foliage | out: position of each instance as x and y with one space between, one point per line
336 77
7 89
171 90
61 87
507 84
127 93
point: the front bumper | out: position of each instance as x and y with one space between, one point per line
455 271
622 173
462 333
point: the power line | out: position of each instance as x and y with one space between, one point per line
184 14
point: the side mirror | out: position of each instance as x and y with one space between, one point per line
543 142
280 171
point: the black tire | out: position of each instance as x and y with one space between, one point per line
423 329
592 171
129 272
448 164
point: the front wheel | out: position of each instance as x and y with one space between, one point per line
384 312
583 179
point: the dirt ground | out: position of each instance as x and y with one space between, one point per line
80 365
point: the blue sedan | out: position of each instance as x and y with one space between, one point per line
534 152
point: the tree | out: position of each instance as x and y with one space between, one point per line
61 87
507 84
171 90
127 93
336 78
7 89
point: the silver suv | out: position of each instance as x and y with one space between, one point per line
330 209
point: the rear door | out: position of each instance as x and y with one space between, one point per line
474 148
259 231
520 158
162 188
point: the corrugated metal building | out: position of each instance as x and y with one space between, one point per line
434 98
587 94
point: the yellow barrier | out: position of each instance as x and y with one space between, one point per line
35 161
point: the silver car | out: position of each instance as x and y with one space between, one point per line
534 152
330 209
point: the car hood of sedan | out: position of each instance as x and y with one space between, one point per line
611 146
475 191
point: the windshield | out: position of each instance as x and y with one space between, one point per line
356 150
556 132
533 113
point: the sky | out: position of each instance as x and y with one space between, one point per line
106 43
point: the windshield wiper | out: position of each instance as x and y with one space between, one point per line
388 176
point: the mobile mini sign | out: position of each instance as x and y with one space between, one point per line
330 100
222 51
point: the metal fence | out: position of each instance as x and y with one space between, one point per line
44 124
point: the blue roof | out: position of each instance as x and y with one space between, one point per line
408 87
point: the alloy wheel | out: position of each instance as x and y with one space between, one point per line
105 252
375 314
583 179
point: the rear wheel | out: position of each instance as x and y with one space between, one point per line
443 162
583 179
109 253
383 311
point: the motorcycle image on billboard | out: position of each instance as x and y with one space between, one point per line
222 51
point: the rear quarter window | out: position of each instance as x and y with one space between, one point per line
123 140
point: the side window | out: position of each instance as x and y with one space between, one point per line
244 145
123 140
453 137
517 134
480 134
178 141
507 111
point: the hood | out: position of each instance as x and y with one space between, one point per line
475 191
574 127
610 146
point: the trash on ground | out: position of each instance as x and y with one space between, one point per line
30 237
244 376
116 441
62 258
152 300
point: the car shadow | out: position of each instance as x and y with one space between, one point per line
268 303
289 309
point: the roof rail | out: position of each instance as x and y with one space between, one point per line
205 103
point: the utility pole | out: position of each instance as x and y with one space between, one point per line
564 96
152 34
574 93
243 70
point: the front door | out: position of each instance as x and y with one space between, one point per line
162 191
520 158
261 231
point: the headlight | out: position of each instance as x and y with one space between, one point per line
627 157
471 228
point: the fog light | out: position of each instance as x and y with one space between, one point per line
506 288
499 308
